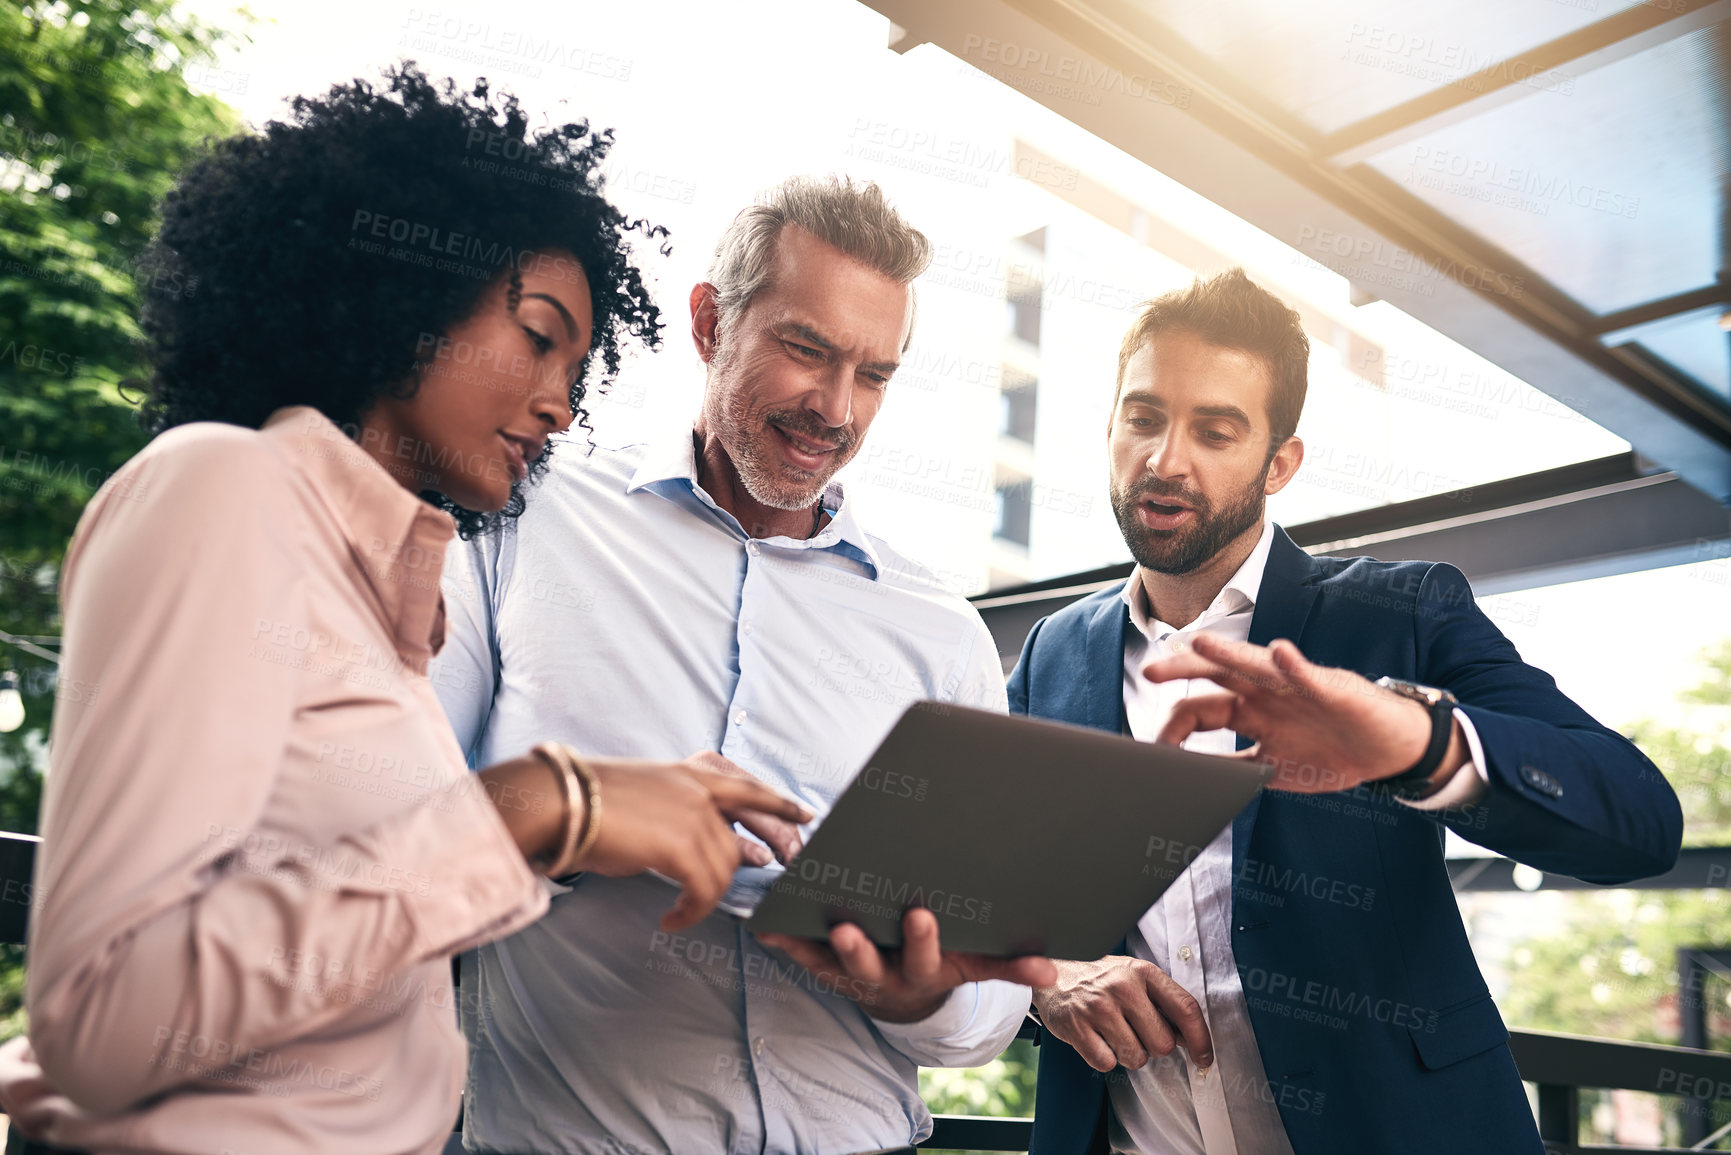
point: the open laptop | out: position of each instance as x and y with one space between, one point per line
1023 836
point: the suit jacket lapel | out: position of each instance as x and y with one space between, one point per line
1103 680
1102 674
1288 591
1283 605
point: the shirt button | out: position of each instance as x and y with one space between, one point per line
739 717
1184 953
752 548
745 628
757 1047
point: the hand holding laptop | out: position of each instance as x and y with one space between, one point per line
1020 838
908 984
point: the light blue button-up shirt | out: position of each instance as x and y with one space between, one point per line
627 614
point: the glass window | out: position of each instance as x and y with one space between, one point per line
1045 239
1014 512
1018 411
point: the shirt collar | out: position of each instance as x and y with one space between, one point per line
1236 596
398 540
670 460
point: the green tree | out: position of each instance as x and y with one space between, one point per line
1611 970
96 116
1003 1087
1697 756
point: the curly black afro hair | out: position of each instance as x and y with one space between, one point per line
264 287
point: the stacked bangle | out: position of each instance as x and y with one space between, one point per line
576 779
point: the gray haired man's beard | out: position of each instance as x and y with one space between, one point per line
762 474
1188 548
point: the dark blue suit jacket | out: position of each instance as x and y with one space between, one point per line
1376 1029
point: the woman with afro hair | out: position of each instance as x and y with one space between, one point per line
261 845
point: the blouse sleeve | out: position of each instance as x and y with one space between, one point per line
145 932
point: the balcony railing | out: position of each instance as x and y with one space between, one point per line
1560 1065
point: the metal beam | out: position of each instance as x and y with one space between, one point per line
979 1133
1616 528
1591 519
1509 494
1693 966
28 646
1617 37
1577 1061
1146 99
1698 868
1559 1115
17 871
1610 325
1560 1064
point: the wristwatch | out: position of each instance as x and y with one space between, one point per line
1415 781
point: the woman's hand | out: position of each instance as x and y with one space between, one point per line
676 819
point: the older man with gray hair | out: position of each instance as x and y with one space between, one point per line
715 591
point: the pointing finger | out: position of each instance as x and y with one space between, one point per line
1203 712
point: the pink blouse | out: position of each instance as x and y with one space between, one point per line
260 842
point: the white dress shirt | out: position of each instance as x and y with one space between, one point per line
1168 1107
627 614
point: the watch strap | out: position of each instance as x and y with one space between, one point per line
1414 781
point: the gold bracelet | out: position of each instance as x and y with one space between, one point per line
558 759
591 808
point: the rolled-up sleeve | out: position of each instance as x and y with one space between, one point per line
163 909
973 1026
